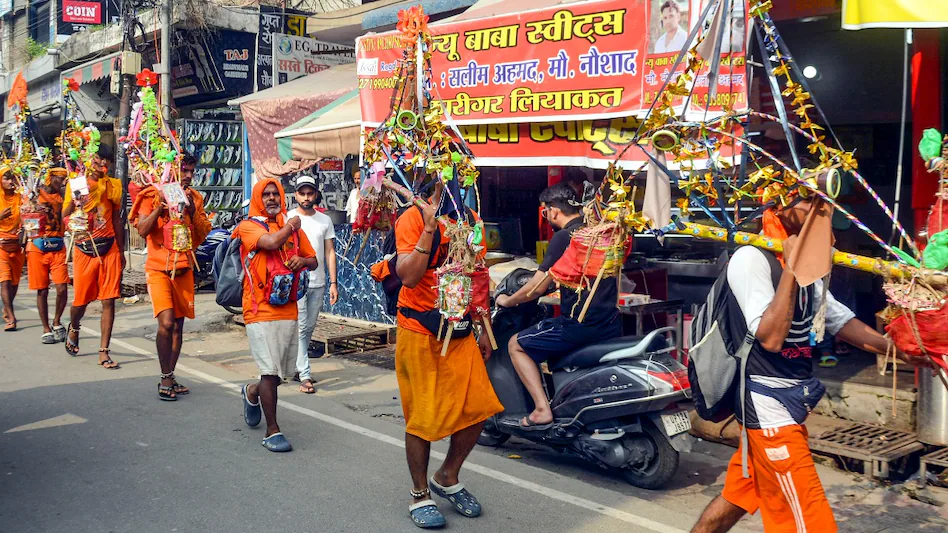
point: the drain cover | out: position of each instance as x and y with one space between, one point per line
874 445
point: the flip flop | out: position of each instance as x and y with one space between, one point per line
828 361
307 387
11 326
425 514
252 411
277 443
48 338
464 502
533 426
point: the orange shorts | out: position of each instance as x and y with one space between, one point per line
783 482
176 294
96 278
11 266
43 267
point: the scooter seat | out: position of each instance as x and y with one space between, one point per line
613 350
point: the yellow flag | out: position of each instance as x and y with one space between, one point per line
860 14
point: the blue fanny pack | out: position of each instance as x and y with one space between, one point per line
49 244
799 399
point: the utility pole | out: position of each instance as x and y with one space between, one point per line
165 81
125 112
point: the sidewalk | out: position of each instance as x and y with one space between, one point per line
860 504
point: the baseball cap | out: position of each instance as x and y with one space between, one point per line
306 181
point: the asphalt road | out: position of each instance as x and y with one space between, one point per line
84 449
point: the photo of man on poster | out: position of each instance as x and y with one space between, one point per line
670 19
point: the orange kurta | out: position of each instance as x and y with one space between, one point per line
98 278
11 262
160 258
46 267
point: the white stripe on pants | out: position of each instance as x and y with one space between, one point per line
309 309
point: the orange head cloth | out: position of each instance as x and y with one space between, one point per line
774 229
55 171
257 208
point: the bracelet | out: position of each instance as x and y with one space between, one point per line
431 232
333 283
421 250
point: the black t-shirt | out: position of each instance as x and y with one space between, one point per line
602 309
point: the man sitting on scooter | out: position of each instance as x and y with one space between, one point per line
557 337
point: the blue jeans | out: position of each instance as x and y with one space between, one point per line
309 309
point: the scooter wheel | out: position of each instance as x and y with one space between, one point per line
662 466
232 310
492 438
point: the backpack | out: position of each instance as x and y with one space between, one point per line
385 273
722 344
228 270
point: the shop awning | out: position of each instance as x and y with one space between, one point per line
93 70
268 112
331 131
387 16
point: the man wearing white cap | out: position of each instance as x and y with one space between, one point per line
319 230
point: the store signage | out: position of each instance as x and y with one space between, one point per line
78 12
295 57
584 61
274 20
211 65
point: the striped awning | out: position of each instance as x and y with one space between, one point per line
93 70
332 131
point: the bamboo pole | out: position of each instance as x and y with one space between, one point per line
582 314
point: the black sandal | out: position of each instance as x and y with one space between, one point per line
72 348
167 394
108 363
179 389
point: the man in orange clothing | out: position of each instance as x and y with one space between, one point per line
277 255
168 272
782 480
46 257
11 251
441 396
99 254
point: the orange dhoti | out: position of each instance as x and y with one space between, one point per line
783 482
442 395
46 267
175 294
11 266
96 278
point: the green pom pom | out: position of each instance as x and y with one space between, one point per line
930 145
447 173
935 255
73 154
456 157
906 257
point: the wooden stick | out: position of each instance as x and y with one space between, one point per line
447 339
490 332
365 240
546 276
602 272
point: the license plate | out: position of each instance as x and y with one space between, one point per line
676 423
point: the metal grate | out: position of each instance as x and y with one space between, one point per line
346 335
938 458
874 445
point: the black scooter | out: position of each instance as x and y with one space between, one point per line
614 403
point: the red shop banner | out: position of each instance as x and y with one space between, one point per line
588 61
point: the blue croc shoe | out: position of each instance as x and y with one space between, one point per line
426 515
464 502
252 411
277 443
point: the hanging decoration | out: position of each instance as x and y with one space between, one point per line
417 146
30 162
154 160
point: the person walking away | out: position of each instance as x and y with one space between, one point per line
276 255
441 396
321 235
558 337
782 480
168 273
99 253
11 251
46 257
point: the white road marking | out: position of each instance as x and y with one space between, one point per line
553 494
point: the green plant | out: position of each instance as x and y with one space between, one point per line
97 27
35 49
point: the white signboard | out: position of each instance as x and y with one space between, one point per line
295 57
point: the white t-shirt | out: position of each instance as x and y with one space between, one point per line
352 205
676 44
318 229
